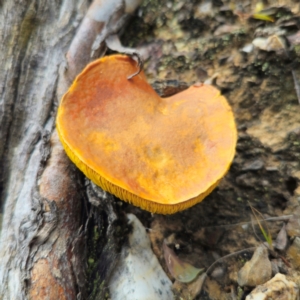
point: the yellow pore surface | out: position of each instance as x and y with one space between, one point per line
161 154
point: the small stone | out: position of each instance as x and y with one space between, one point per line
294 253
256 271
260 43
294 39
277 288
275 268
205 9
272 43
188 291
220 275
253 165
293 226
281 239
246 180
247 48
272 169
225 29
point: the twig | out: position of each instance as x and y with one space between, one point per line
104 18
271 219
113 43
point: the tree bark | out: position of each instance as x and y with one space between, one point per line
46 218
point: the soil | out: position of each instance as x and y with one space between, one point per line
211 41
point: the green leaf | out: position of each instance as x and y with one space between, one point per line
263 17
180 270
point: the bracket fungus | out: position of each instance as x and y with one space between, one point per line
161 154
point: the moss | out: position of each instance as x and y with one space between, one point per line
93 245
297 50
28 26
265 66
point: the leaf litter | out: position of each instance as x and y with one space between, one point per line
191 41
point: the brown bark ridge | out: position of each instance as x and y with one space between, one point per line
42 244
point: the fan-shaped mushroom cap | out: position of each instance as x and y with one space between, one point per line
161 154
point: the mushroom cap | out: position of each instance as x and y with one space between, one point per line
161 154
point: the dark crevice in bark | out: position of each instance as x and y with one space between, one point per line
8 132
106 232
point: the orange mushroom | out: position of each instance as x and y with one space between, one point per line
161 154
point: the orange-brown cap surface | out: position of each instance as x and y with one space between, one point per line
161 154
